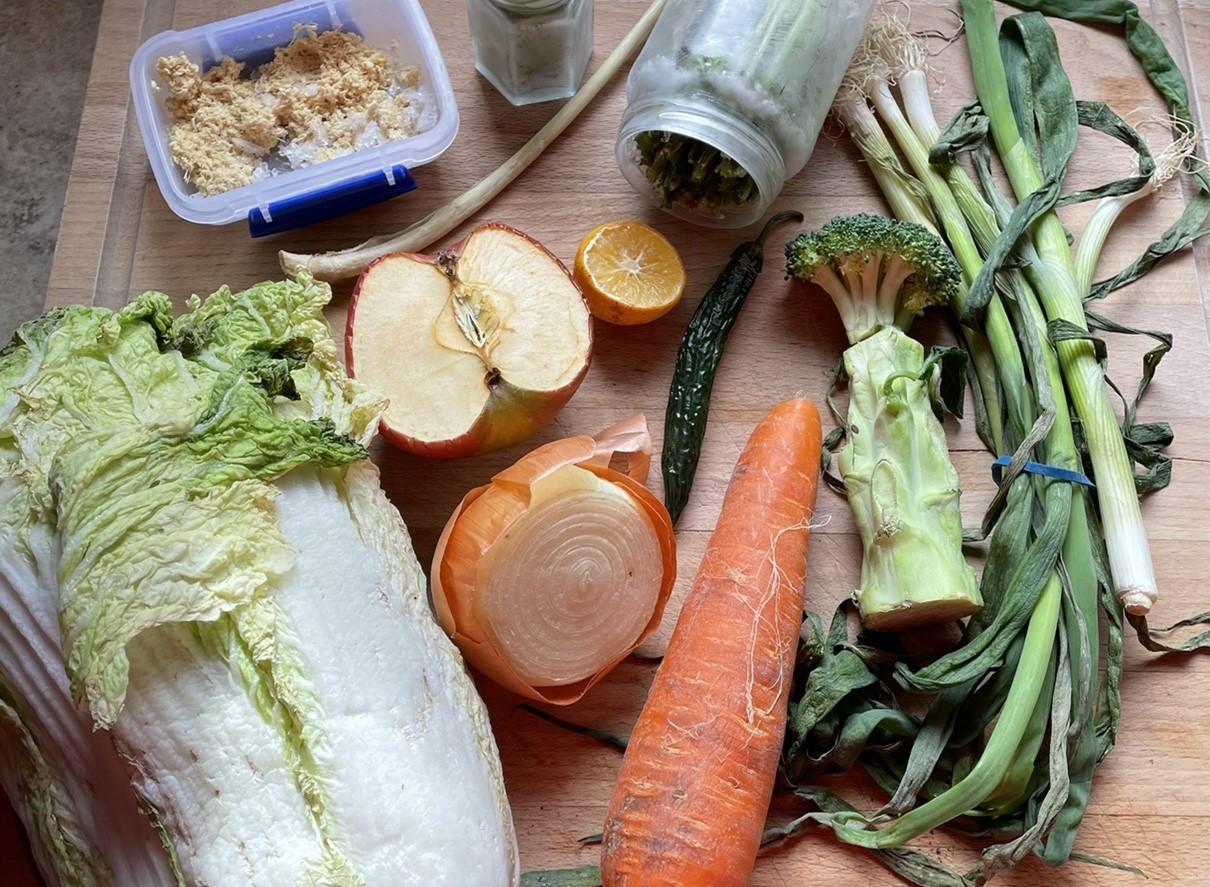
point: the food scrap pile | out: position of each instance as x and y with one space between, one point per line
196 552
322 95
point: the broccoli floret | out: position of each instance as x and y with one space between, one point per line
880 272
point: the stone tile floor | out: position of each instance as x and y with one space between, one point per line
45 53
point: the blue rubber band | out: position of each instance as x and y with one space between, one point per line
1072 477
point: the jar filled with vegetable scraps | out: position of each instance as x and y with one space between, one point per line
532 50
727 98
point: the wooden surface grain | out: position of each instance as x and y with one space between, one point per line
1151 803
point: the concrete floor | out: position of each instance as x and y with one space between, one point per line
46 52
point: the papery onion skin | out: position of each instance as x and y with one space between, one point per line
484 515
571 584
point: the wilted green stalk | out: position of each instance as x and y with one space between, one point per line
685 170
1077 558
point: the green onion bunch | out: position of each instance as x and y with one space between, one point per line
1001 735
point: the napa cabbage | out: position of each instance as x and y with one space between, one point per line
217 660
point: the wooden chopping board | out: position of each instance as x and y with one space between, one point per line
1152 798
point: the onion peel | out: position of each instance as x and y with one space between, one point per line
479 528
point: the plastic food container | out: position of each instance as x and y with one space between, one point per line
310 194
733 94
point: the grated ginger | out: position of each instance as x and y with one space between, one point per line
322 95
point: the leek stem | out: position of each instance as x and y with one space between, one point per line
1096 232
867 134
948 212
1054 278
1168 163
1077 557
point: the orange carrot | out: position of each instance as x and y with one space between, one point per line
698 772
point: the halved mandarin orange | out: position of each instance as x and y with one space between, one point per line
629 273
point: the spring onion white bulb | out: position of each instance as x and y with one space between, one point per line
1168 162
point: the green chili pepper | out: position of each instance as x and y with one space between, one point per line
701 351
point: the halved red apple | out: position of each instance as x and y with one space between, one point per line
475 349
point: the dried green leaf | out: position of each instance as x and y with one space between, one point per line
928 747
911 865
947 386
1147 635
1061 330
967 130
588 876
1102 118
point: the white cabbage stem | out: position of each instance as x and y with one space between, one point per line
441 221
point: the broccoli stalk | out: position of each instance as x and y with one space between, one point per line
902 487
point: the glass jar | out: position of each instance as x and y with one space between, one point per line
532 50
727 98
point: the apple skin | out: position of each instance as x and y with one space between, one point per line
510 415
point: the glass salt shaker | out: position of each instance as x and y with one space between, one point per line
532 50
